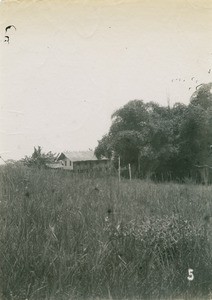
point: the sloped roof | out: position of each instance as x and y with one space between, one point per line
78 155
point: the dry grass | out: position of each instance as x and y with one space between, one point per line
77 237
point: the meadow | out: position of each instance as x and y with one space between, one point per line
66 236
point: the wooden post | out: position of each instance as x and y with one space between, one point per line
130 171
119 169
139 165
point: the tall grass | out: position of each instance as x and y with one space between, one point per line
65 236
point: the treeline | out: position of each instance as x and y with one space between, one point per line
160 142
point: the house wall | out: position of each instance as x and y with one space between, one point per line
67 164
96 165
85 166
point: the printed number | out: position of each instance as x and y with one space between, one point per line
190 274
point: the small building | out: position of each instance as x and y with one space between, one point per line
82 161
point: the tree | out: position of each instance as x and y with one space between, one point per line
125 135
39 159
138 134
162 141
104 148
196 129
202 96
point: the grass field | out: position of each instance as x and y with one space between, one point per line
80 237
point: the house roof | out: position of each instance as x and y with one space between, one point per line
78 155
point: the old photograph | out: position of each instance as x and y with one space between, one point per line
105 149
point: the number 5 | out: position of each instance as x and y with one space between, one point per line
190 274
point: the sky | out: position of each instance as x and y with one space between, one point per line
71 63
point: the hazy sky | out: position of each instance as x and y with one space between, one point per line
70 64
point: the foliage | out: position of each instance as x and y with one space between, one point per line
196 129
162 141
61 238
104 148
203 96
39 159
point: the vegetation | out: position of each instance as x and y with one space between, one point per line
76 236
66 236
162 142
39 159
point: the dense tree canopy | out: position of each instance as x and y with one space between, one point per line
196 128
159 141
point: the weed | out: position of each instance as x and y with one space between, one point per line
66 236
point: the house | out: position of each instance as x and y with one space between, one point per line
82 161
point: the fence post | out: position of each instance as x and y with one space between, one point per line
119 169
130 171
